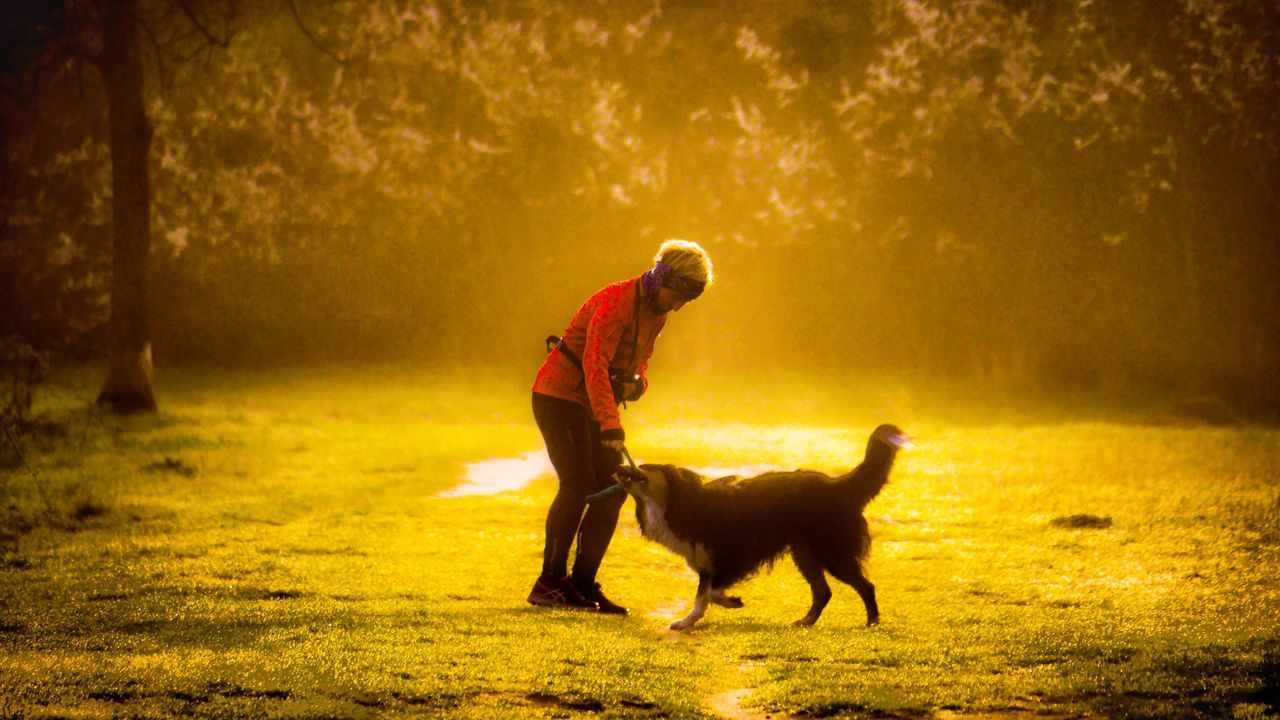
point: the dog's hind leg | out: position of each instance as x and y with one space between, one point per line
699 604
811 568
850 571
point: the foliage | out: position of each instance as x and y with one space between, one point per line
55 239
1041 193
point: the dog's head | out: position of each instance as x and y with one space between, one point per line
892 435
657 483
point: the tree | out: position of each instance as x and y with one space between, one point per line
51 41
128 385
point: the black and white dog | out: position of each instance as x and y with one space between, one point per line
727 529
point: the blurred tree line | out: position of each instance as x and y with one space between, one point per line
1029 192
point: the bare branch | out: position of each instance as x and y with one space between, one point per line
222 42
35 477
165 78
297 18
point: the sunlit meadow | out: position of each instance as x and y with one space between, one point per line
281 544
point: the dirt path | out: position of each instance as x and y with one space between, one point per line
495 475
729 704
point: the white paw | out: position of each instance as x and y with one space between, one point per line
683 624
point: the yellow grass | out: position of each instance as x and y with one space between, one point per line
275 545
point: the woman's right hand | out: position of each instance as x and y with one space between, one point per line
616 448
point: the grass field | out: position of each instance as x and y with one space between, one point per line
272 545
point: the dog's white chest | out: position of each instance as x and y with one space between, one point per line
656 529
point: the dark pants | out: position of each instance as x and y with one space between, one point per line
584 466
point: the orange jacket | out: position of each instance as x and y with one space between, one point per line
614 329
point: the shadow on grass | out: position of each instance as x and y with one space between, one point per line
1212 681
221 698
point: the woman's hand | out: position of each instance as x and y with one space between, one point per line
626 388
617 448
632 390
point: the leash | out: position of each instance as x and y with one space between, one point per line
617 487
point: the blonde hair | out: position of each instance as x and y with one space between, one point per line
686 258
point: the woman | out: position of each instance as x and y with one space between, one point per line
601 361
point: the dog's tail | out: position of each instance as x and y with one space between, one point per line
864 482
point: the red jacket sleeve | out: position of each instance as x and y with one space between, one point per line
642 369
604 331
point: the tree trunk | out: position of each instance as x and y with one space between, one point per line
1197 346
128 385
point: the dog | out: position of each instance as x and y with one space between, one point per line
727 529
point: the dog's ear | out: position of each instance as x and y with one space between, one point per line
691 476
681 476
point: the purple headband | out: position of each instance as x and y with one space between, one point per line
668 278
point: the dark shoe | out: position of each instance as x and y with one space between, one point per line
559 593
592 592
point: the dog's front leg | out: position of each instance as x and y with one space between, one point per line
699 604
730 601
